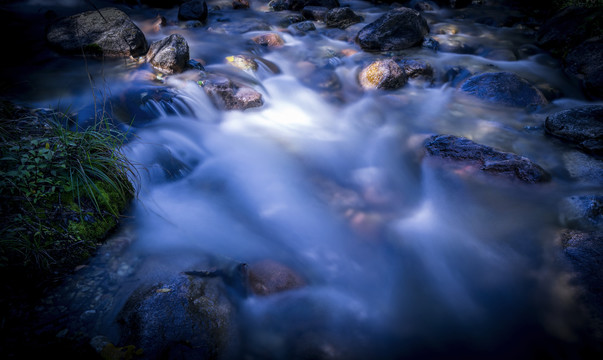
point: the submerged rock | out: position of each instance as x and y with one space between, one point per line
105 32
270 40
169 55
416 68
193 10
316 13
581 125
298 5
503 88
584 212
268 277
382 74
485 159
397 29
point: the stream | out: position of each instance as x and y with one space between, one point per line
403 259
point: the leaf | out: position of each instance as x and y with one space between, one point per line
163 290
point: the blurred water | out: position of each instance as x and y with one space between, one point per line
403 257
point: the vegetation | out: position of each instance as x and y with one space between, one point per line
61 191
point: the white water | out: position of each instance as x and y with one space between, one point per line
403 257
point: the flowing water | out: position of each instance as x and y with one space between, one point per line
403 257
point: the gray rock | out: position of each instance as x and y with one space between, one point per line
581 125
193 10
585 64
301 28
382 74
416 68
485 159
185 317
397 29
169 55
106 32
341 18
503 88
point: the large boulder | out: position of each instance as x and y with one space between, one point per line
169 55
504 88
585 64
382 74
569 28
580 125
185 317
193 10
397 29
105 32
485 159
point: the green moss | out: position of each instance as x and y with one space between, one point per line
93 49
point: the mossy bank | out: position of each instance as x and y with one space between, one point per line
63 190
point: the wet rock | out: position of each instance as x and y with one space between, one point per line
271 40
585 64
302 28
316 13
569 28
269 277
186 317
163 4
193 10
242 62
227 95
503 88
169 55
416 68
106 32
341 18
583 212
240 27
290 18
382 74
584 252
425 6
397 29
582 126
501 55
240 4
485 159
298 5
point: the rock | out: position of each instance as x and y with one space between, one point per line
341 18
584 252
453 44
503 88
585 64
106 32
242 62
184 317
169 55
416 68
240 4
298 5
301 28
580 125
193 10
485 159
382 74
397 29
271 40
425 6
269 277
569 28
163 4
240 27
316 13
229 96
583 212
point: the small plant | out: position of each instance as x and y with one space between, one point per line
61 190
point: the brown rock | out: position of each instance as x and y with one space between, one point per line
268 277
